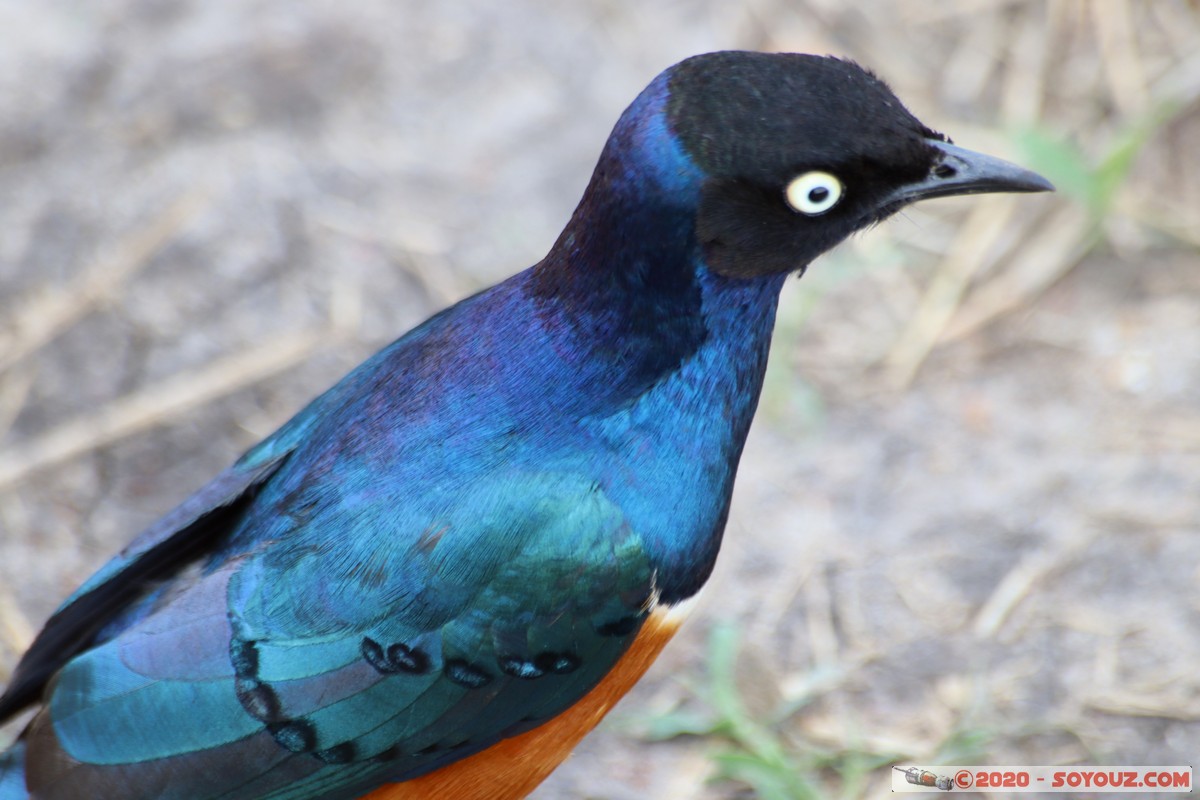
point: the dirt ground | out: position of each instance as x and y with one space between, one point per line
966 524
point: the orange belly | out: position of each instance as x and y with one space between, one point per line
513 768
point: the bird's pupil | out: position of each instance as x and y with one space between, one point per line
818 194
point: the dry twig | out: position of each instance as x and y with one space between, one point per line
972 251
39 319
156 404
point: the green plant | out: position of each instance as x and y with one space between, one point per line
759 752
1094 183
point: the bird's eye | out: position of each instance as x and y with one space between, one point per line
814 193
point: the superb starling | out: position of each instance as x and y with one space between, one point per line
442 572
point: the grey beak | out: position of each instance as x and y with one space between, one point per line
962 171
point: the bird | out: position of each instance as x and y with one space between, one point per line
442 572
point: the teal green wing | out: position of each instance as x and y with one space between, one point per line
117 592
320 666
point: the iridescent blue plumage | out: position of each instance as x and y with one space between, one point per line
460 539
460 534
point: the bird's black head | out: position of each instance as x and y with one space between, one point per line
800 151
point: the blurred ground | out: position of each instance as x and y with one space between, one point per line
966 523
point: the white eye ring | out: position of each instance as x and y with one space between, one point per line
814 193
